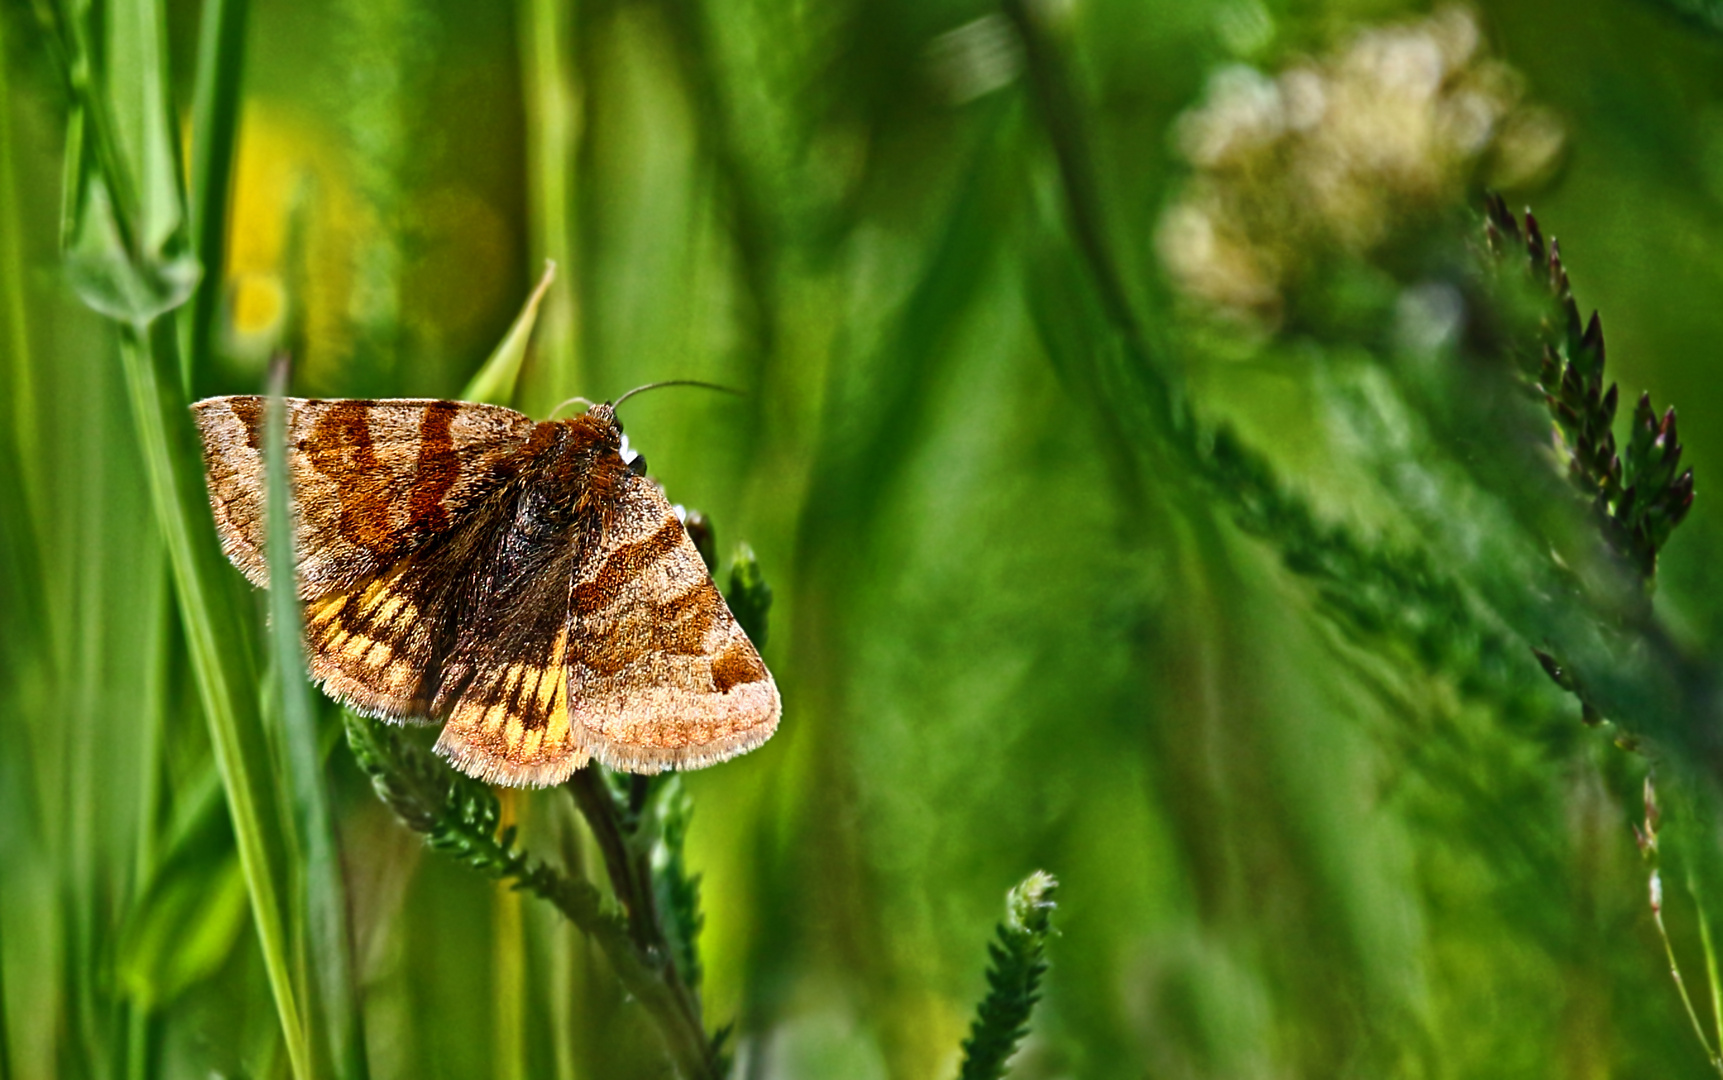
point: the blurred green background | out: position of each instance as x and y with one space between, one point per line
1007 635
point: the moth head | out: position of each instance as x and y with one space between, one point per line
604 413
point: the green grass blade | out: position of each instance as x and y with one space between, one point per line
21 383
508 964
495 381
323 891
553 111
128 254
215 109
219 665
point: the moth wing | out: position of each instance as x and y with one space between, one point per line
382 645
370 481
660 675
503 690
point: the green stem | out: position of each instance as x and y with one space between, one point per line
171 467
1675 973
508 967
322 892
553 108
674 1005
5 1035
215 110
1710 952
22 388
1058 108
462 817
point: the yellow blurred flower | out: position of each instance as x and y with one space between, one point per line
292 221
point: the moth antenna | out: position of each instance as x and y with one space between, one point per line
674 382
576 400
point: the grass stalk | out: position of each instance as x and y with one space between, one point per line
134 276
1656 888
5 1026
175 477
322 893
1019 960
215 110
1709 950
22 387
553 109
676 1005
508 964
1061 116
461 817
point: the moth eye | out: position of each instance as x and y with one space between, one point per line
638 465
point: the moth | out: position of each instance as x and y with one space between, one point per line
515 580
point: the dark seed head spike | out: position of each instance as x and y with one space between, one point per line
1535 240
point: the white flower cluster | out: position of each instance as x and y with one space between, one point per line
1332 154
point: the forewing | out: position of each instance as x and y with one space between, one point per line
371 481
660 675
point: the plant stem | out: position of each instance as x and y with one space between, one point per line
676 1007
1675 972
508 965
1056 103
21 387
463 818
215 108
175 480
334 1030
1710 952
553 108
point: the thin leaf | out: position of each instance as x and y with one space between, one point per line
126 251
495 381
551 93
214 639
126 242
216 101
322 888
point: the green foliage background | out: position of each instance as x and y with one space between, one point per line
1012 629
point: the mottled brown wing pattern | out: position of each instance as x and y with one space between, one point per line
371 480
660 674
381 646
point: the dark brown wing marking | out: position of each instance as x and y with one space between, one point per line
371 480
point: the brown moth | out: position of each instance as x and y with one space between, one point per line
515 580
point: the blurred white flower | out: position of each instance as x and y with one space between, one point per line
1329 155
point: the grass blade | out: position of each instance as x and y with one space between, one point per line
127 251
21 385
495 381
215 108
322 894
553 111
219 666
